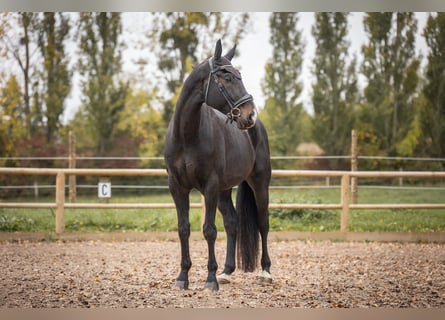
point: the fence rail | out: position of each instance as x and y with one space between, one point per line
299 157
344 205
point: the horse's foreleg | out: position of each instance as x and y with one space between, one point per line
182 202
225 205
210 233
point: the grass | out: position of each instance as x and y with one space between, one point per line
91 220
370 220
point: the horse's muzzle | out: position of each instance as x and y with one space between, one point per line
247 118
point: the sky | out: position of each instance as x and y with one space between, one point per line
254 51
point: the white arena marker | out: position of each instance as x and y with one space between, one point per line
104 189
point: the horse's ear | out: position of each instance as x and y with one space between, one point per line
218 50
229 55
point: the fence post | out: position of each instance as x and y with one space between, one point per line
60 202
344 222
354 166
72 165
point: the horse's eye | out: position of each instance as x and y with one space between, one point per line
228 77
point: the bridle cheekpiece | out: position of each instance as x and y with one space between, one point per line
235 112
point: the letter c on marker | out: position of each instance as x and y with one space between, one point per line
104 189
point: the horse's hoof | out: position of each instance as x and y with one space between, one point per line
211 286
223 278
181 285
265 278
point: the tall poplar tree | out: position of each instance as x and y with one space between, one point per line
53 32
283 114
335 93
100 65
433 114
17 41
390 66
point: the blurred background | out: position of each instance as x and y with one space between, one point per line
112 80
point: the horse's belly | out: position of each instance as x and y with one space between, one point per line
236 169
197 174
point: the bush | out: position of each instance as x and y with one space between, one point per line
13 223
303 219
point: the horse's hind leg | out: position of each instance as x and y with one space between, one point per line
182 202
225 205
262 202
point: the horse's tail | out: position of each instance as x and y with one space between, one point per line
247 234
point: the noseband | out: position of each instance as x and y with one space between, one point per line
235 111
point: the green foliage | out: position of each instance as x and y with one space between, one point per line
335 91
100 65
17 44
26 220
180 34
181 39
143 123
391 68
53 31
304 219
36 42
282 114
409 144
399 113
433 111
4 26
13 223
12 122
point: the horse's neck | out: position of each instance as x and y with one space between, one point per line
187 115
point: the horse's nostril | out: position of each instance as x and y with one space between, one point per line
252 118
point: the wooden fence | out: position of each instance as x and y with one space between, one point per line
344 205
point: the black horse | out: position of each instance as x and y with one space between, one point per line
215 142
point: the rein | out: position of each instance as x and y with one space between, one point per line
235 111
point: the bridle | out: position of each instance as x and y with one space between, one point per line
235 111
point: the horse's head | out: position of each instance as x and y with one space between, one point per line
225 91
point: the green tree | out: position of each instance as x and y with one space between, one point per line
391 68
282 113
181 39
433 112
143 123
5 27
17 40
12 118
335 93
53 31
100 65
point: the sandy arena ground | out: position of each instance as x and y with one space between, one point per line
141 274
